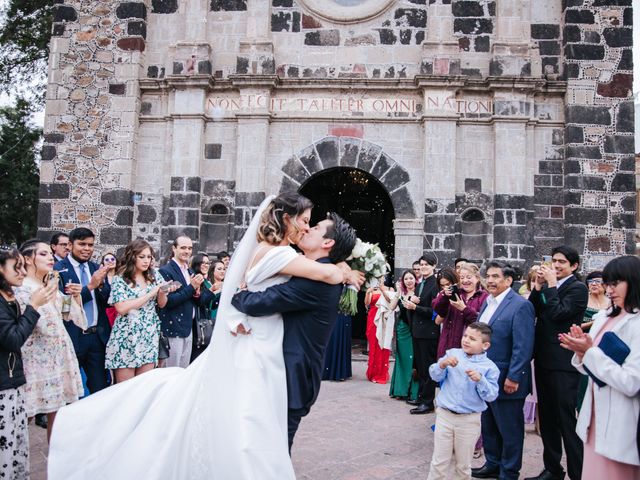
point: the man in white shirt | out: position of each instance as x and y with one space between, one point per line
178 315
511 318
78 271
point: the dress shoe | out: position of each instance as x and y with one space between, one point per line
421 409
413 402
547 475
41 420
485 472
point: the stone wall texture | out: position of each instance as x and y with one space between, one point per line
497 128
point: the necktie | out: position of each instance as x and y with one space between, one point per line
88 307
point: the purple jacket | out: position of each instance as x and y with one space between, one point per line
455 321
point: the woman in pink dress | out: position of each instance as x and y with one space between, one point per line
609 415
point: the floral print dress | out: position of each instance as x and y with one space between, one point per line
49 360
135 336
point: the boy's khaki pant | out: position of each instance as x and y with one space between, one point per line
455 438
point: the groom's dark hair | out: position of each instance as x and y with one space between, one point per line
344 236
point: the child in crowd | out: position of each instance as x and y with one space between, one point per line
468 379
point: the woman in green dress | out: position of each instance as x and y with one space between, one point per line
136 291
213 278
598 300
403 385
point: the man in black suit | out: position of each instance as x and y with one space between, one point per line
425 333
78 269
560 300
309 309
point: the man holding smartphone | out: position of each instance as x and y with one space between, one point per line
560 300
425 333
78 274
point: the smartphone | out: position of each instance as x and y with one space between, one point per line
53 275
546 260
455 291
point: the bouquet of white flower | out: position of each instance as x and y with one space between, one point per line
368 259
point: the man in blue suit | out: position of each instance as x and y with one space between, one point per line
90 344
177 316
309 309
512 319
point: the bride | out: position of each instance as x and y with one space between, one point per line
223 417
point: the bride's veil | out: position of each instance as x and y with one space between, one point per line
227 315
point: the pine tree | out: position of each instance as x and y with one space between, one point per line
25 31
19 178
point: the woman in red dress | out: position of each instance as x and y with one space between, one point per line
378 368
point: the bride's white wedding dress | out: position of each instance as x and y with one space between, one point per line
224 417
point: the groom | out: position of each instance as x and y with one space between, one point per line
309 309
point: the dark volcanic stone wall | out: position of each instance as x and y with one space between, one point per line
599 181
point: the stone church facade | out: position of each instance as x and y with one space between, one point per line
496 128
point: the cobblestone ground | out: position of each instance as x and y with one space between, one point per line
354 432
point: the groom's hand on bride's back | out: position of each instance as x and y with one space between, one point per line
241 331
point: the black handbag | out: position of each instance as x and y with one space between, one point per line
163 347
204 327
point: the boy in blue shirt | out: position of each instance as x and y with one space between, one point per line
468 380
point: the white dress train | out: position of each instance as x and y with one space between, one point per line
224 417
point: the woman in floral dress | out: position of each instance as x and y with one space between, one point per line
136 290
50 363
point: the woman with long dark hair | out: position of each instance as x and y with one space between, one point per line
206 315
135 293
403 385
49 360
610 355
15 328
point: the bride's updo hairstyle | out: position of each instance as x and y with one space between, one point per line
272 227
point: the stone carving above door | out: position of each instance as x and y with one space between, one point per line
347 11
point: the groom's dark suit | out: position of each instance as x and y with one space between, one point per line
309 310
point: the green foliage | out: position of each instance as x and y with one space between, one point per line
25 31
18 173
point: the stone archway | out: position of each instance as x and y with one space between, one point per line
331 152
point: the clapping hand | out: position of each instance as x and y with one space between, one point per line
576 340
448 362
97 278
408 304
197 280
474 375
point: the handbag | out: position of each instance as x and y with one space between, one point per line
204 327
163 347
614 348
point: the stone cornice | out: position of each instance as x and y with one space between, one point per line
273 82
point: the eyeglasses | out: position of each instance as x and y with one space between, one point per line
595 281
206 263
